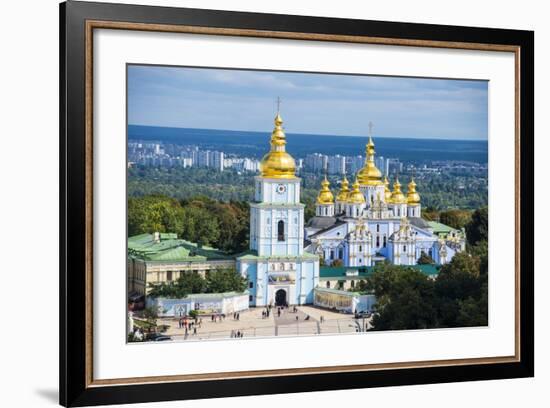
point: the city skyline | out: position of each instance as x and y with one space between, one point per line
321 104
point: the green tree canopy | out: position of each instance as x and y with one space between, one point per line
455 218
425 259
478 228
216 281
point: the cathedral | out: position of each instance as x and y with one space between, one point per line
365 224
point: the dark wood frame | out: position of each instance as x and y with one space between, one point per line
77 22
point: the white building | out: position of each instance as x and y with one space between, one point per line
370 223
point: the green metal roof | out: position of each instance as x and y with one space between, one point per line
331 273
440 228
171 249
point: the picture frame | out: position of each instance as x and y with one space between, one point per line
79 21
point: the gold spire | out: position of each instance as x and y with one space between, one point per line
370 175
278 163
325 195
344 191
356 196
397 196
387 191
413 197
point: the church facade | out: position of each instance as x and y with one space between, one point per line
362 225
370 223
278 269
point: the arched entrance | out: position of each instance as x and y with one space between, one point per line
280 298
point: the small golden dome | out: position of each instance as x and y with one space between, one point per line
344 191
370 175
325 195
413 197
278 163
397 196
387 191
356 196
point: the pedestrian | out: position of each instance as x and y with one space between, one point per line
279 312
194 331
296 318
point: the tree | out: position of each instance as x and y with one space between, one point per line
425 259
187 283
225 280
199 226
478 228
455 218
154 214
430 214
404 298
151 315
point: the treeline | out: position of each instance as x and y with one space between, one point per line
217 281
223 225
438 191
458 297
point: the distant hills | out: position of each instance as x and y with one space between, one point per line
255 144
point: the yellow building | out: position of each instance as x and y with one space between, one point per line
162 258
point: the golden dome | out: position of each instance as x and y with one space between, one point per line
370 175
325 195
397 196
344 191
413 197
278 163
356 196
387 191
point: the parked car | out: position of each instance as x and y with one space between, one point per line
158 337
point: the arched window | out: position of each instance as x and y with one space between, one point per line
377 242
281 231
377 227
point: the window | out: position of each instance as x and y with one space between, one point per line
331 254
377 242
384 242
328 284
169 276
251 284
360 248
377 227
352 284
281 231
340 254
250 298
404 248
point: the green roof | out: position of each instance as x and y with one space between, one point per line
440 228
341 273
171 249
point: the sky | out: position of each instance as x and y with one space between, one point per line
321 104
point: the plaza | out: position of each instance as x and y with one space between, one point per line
306 320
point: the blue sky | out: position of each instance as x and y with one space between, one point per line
311 103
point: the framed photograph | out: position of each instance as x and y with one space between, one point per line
256 204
